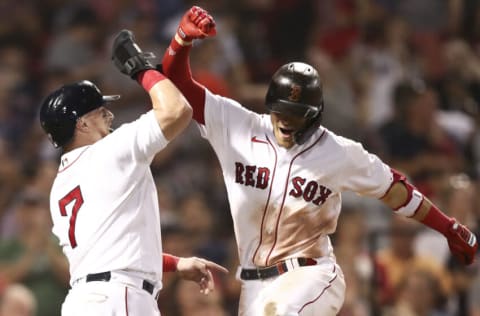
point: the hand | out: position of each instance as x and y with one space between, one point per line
462 242
199 270
127 55
196 23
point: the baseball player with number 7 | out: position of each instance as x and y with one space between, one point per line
284 174
104 203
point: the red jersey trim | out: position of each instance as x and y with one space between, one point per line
62 170
285 192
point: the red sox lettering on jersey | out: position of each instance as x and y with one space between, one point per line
258 177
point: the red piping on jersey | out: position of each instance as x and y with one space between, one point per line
60 171
321 293
126 301
176 66
266 204
285 192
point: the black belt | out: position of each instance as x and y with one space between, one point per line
275 270
106 276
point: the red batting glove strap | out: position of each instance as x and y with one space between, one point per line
437 220
148 78
169 263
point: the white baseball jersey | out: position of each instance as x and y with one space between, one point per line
285 202
104 202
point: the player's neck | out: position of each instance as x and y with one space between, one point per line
77 143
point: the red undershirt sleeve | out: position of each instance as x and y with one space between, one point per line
176 66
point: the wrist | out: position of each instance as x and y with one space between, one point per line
148 78
170 263
182 40
437 220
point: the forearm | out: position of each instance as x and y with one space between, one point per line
406 200
171 109
176 66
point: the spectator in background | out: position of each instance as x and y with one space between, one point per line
351 249
37 181
418 295
17 300
417 33
75 47
398 260
414 142
344 116
10 176
199 222
33 256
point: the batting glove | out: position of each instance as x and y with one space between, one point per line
196 23
462 242
127 55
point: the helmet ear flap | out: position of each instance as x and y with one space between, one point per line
302 135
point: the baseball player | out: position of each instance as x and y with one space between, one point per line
104 202
284 174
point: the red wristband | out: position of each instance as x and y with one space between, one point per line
437 220
169 263
175 47
148 78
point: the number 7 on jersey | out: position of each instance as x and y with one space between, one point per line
76 196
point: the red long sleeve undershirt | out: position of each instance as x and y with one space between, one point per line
176 66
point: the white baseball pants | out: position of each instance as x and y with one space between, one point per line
109 299
302 291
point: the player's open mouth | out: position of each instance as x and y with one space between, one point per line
286 132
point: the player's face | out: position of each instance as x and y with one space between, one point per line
100 121
284 126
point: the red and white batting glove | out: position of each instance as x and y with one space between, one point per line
462 242
196 23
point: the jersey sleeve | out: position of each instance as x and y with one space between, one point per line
224 118
364 173
139 140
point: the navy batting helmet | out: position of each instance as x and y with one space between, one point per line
295 89
62 108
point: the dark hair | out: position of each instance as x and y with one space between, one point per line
405 92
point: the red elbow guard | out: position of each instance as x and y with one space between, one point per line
414 198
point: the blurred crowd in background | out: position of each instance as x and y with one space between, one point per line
402 77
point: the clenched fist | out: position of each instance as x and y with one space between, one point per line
462 242
196 23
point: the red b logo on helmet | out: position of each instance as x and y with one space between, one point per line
295 93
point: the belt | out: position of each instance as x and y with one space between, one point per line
106 276
277 269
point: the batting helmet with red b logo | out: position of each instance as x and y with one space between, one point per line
296 89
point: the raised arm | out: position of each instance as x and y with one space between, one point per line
196 23
172 110
406 200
